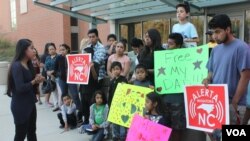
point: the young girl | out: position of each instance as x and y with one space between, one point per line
153 43
141 77
120 57
155 110
98 117
36 65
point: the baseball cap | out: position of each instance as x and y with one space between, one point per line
209 33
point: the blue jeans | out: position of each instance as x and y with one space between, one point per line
119 131
74 92
248 95
63 86
99 136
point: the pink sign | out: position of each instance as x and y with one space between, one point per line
207 108
143 129
78 68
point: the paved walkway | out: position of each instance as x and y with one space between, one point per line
47 123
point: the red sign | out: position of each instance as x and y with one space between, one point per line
78 68
206 108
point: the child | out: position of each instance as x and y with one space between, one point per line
175 102
36 65
136 45
98 117
119 132
155 109
116 69
184 27
67 116
141 76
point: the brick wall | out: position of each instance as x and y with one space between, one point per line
42 25
38 24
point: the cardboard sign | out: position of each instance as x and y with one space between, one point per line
179 67
145 130
206 108
128 100
78 68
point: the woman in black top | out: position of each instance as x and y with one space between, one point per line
61 68
20 86
153 43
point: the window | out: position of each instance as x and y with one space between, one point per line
124 31
138 30
23 6
198 22
247 27
162 25
13 14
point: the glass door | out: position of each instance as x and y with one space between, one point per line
237 26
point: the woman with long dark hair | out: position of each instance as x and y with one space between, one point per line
153 43
20 86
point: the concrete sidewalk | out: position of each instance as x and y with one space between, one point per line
47 123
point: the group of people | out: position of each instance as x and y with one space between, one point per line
89 104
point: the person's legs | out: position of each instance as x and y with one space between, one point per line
21 131
123 133
86 96
193 135
115 131
56 94
177 120
63 87
247 113
246 116
59 115
71 119
73 90
31 135
47 97
38 94
99 136
236 118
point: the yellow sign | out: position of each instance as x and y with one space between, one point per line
128 100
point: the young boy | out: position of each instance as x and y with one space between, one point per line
142 77
67 116
175 102
118 132
116 69
185 28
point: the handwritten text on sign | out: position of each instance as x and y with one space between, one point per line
179 67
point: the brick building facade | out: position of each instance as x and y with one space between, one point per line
42 25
